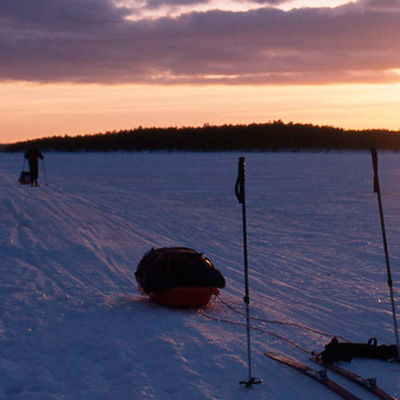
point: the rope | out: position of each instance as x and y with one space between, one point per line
257 329
283 323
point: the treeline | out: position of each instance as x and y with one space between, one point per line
274 136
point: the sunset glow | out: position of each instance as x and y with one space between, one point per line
106 68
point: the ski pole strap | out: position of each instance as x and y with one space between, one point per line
239 186
375 165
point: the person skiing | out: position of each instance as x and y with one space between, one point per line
32 155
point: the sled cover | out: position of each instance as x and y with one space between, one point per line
171 267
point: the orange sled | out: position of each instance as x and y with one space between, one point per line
185 296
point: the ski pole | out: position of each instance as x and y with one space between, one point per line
44 172
377 190
241 196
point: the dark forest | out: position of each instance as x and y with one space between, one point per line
273 136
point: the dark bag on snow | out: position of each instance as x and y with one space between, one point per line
25 177
165 268
335 351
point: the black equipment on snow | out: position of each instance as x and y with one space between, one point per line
336 351
24 178
241 196
178 277
377 190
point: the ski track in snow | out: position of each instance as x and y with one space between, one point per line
73 325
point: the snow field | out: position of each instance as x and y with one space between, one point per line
73 325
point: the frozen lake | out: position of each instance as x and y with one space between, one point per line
73 325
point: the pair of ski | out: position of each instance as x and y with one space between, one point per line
322 377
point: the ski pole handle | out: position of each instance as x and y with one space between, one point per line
239 186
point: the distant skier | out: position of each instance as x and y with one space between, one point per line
32 155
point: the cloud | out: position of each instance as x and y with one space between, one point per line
159 3
153 4
95 41
380 4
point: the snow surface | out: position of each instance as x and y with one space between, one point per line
74 326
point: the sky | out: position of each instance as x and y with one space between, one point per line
71 67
